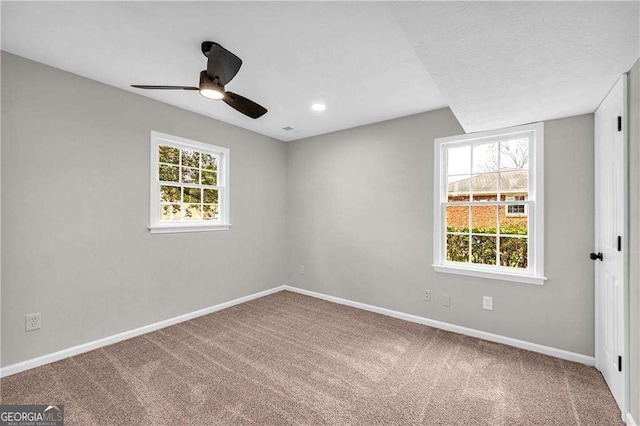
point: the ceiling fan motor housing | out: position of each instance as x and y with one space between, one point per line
206 47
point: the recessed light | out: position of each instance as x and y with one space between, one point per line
318 107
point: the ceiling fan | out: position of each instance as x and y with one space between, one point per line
222 66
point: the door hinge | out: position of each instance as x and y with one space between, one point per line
619 363
619 123
619 243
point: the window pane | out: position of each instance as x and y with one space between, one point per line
190 175
458 188
485 187
485 157
167 154
192 212
514 154
170 212
169 194
209 162
192 195
459 160
457 218
483 250
210 212
457 248
209 178
210 196
514 220
169 173
514 183
483 219
190 158
513 252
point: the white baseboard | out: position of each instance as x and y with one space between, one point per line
630 421
534 347
86 347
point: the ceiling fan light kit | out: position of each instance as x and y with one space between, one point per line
222 66
209 88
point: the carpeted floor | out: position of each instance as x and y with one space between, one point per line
293 359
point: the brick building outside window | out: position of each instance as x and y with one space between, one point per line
514 184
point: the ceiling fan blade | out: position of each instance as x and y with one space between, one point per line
222 64
244 105
139 86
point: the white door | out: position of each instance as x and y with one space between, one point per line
611 239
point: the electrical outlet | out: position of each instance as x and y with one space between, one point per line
427 295
301 269
487 303
446 301
32 322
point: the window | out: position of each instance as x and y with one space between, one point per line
516 209
189 185
488 218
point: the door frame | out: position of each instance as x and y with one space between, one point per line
625 244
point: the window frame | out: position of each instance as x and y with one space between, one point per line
157 226
534 206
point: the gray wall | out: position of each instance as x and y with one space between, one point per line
75 211
358 210
360 214
634 243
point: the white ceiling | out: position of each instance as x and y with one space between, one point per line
500 64
351 56
495 64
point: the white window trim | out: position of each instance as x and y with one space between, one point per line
534 274
156 226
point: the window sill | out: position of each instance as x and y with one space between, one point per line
173 229
520 278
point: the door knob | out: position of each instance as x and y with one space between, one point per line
594 256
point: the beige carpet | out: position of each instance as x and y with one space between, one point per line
293 359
